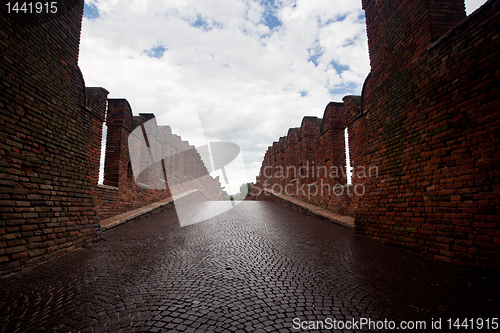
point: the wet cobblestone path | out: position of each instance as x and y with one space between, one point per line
252 269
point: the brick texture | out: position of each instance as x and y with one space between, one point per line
429 121
123 191
310 162
50 143
46 205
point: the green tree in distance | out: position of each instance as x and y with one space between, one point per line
243 193
224 194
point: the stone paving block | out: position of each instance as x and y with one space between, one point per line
151 275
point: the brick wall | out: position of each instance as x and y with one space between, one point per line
310 163
428 123
123 190
50 143
46 185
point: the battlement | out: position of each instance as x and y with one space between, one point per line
427 121
316 148
399 31
122 191
50 144
423 139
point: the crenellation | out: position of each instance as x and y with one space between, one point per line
422 136
50 145
118 130
423 141
309 127
353 108
293 136
46 182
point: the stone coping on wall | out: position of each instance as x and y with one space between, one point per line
114 188
125 217
310 209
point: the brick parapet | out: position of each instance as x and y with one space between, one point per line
437 188
173 157
400 31
50 142
353 108
46 204
423 136
119 122
302 161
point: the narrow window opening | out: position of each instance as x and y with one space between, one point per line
347 158
103 153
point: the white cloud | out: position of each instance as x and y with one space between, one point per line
472 5
249 82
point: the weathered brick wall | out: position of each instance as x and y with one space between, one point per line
123 191
310 163
50 143
46 206
430 122
427 125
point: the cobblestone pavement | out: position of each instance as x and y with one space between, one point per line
252 269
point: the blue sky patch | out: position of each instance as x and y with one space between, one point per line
270 18
315 53
206 25
338 91
156 52
90 12
337 18
201 23
303 93
339 68
349 88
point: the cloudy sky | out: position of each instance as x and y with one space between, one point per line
250 68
